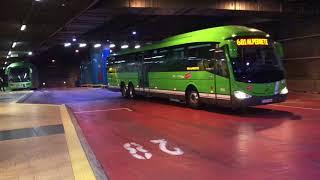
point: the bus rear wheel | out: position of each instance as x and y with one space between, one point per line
131 92
193 99
123 90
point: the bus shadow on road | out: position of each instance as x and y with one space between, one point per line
250 112
255 112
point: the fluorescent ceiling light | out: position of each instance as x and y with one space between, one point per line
125 46
112 45
67 44
137 46
23 27
97 45
82 45
14 44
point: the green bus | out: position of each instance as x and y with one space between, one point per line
233 66
22 75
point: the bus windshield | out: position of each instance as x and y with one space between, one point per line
19 75
257 64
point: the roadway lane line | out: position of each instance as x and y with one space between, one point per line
297 107
103 110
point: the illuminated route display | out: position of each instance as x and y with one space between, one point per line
252 42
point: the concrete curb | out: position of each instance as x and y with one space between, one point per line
94 163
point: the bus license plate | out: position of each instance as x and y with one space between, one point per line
267 101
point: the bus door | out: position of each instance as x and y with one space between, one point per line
222 78
143 74
145 78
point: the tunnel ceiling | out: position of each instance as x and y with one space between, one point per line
41 17
54 22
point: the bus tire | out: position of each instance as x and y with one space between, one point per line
131 93
193 98
123 90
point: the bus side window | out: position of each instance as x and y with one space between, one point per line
174 62
198 55
221 68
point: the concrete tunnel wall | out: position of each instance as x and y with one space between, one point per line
301 40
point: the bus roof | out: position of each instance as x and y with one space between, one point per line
215 34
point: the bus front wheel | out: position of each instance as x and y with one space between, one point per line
193 99
131 92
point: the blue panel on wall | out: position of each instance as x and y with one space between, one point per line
95 71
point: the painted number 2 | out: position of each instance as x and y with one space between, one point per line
163 147
138 152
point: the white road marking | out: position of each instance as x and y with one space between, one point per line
297 107
163 147
133 148
103 110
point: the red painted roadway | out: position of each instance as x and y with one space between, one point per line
269 142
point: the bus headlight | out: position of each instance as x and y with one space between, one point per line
284 91
241 95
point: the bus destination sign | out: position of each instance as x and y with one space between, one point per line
252 42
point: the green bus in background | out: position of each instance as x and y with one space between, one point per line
22 75
232 66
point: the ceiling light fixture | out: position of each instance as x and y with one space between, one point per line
77 51
137 46
67 44
14 44
112 45
74 39
125 46
97 45
134 32
30 53
23 27
82 45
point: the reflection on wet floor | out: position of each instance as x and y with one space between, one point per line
13 96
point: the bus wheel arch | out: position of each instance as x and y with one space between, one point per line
192 96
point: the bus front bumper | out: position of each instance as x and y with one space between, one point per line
259 100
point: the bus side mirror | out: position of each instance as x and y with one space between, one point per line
233 49
279 49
